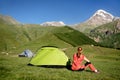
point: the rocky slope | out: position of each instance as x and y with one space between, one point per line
107 35
100 17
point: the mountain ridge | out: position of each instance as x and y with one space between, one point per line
35 36
8 19
100 17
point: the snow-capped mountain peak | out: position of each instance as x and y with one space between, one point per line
100 17
53 23
103 13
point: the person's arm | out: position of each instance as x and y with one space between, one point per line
86 59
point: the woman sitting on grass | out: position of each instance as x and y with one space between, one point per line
77 62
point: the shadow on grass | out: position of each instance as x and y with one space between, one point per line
61 67
88 71
48 66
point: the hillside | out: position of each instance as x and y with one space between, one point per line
34 36
8 19
99 18
74 37
61 37
108 35
8 35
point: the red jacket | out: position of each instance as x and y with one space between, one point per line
77 62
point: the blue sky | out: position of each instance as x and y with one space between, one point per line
68 11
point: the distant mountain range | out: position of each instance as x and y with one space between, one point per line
100 17
13 37
102 27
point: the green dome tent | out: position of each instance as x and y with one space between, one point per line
49 56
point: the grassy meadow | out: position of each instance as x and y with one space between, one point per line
14 39
106 60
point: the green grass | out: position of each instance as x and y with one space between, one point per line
75 40
14 39
106 60
113 41
36 36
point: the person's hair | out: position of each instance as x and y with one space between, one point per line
79 48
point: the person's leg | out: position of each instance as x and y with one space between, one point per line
92 68
88 64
